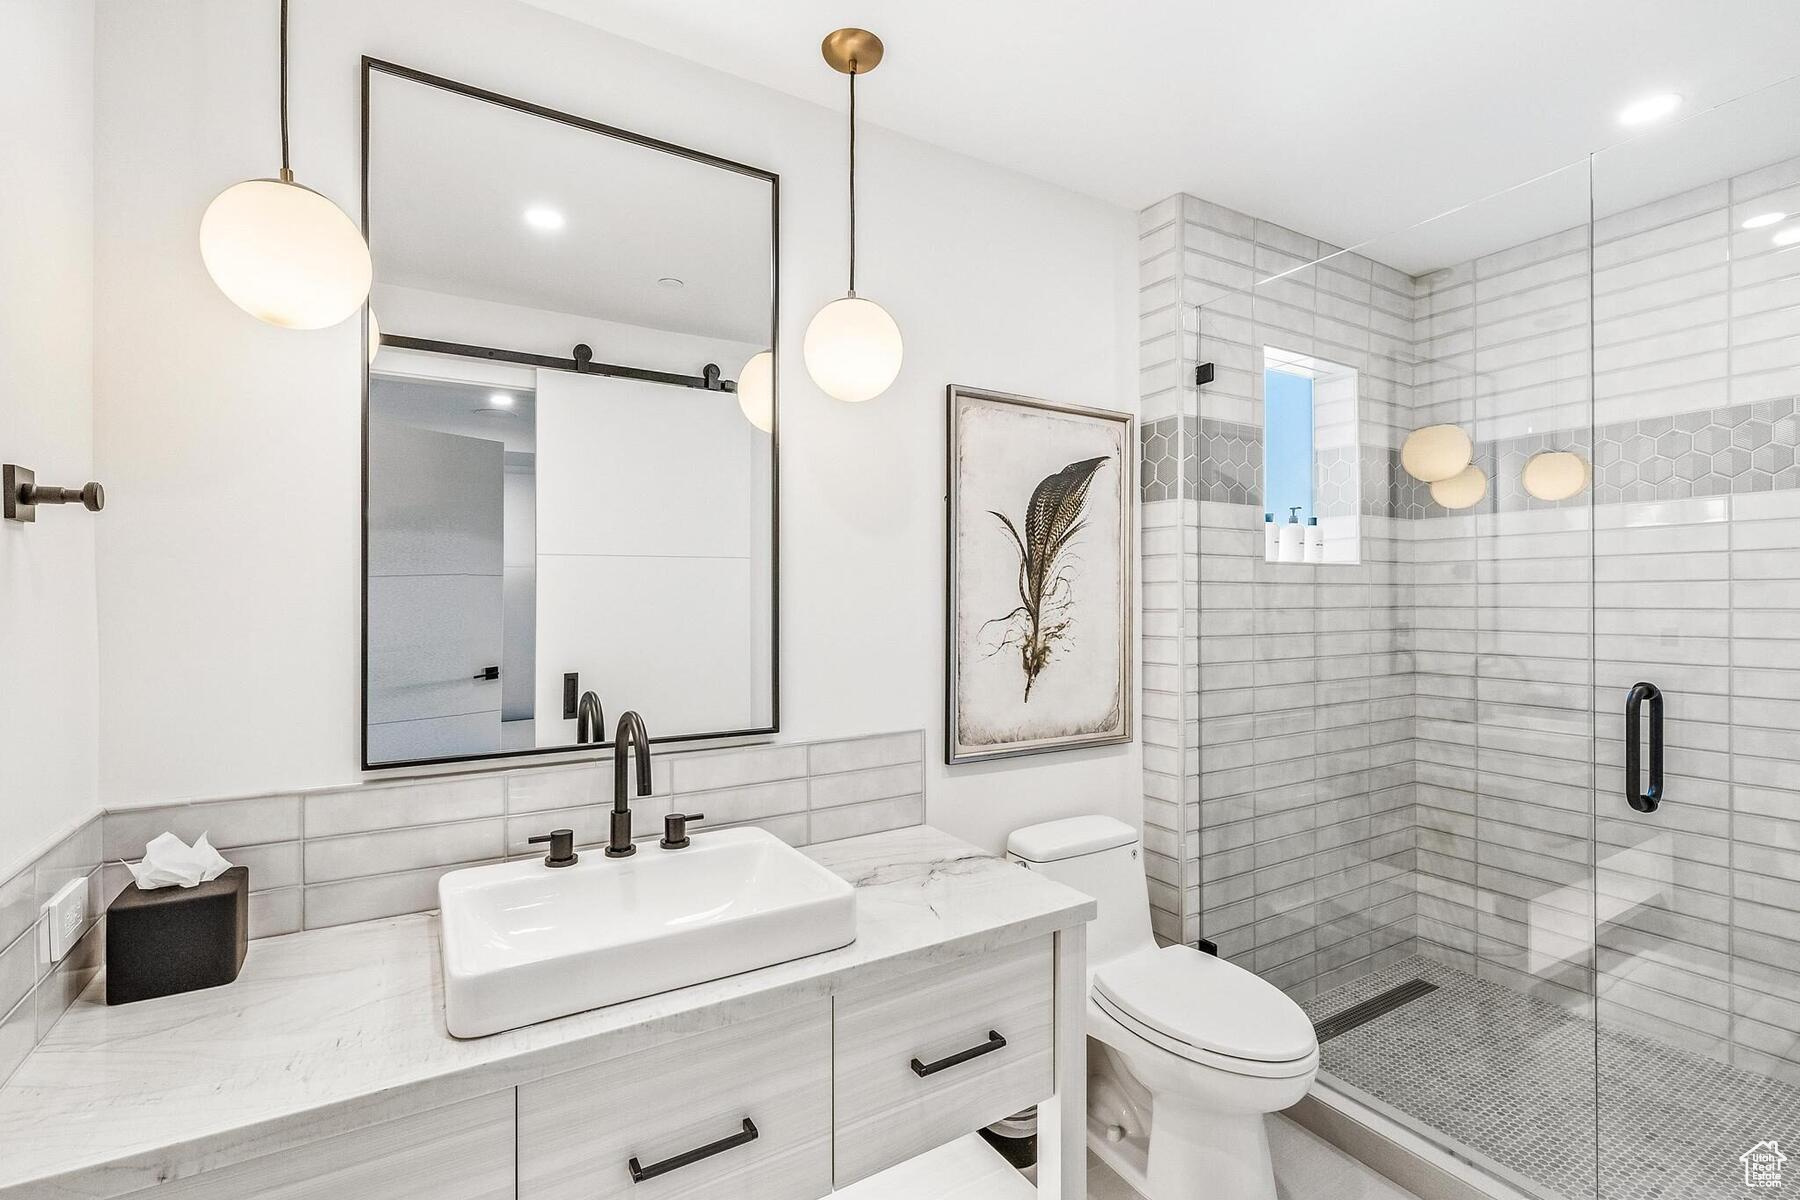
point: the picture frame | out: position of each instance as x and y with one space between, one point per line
1039 546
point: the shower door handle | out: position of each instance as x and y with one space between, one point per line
1641 798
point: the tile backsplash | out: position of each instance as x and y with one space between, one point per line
33 992
375 850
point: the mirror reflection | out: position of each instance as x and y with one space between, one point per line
570 505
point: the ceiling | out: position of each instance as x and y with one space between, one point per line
451 178
1343 121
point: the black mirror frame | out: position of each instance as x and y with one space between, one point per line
372 66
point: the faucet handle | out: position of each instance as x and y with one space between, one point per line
562 847
675 835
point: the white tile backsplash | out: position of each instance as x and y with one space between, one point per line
392 850
350 854
363 809
856 754
227 823
734 768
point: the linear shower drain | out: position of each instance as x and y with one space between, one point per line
1374 1006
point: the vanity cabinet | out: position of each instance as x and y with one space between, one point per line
326 1071
836 1090
741 1112
929 1057
461 1152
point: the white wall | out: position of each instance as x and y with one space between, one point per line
229 574
47 636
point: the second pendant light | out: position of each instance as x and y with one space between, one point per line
852 346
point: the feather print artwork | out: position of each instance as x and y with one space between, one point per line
1039 523
1053 521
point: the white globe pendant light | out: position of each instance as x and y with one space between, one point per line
1555 475
1464 489
852 348
756 390
282 252
1436 452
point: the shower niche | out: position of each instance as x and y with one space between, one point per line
1312 460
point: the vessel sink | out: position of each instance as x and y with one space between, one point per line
523 942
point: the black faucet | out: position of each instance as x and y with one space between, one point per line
590 719
562 847
629 733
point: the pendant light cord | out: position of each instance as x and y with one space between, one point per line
852 175
287 170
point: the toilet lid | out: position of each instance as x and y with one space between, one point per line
1206 1002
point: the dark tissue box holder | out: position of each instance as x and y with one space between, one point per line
175 939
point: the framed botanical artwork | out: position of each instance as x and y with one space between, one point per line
1039 548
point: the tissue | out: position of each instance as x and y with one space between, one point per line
171 862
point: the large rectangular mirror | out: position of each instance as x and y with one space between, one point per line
569 504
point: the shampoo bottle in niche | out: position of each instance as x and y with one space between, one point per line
1271 538
1291 545
1315 541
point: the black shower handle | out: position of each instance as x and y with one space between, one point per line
1644 800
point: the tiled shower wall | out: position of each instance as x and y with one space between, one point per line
1281 763
377 850
1504 637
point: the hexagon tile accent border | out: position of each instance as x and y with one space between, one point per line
1713 452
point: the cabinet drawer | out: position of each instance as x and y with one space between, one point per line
918 1062
462 1152
579 1132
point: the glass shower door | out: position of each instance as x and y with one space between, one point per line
1696 506
1474 604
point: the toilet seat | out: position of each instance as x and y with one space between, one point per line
1207 1011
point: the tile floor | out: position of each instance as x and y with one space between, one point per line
1306 1168
1512 1078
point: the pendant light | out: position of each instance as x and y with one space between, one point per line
852 346
282 252
756 390
1555 475
1436 453
1465 489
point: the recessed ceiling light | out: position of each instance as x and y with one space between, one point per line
501 400
669 281
1763 220
1650 108
1787 237
546 219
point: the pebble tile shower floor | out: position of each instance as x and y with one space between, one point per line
1510 1077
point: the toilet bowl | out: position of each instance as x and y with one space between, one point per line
1187 1053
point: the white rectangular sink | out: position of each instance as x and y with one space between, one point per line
523 942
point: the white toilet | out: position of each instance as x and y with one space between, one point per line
1186 1052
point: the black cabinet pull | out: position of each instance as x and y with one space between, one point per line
994 1042
639 1172
1644 799
488 673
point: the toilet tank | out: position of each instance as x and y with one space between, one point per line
1101 857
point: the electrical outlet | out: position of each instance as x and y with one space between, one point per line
64 915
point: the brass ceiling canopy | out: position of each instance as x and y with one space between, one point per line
851 51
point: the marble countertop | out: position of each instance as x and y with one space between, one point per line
335 1029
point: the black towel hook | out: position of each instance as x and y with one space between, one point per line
23 495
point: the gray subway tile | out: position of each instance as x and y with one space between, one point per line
399 806
390 851
856 754
735 768
227 823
